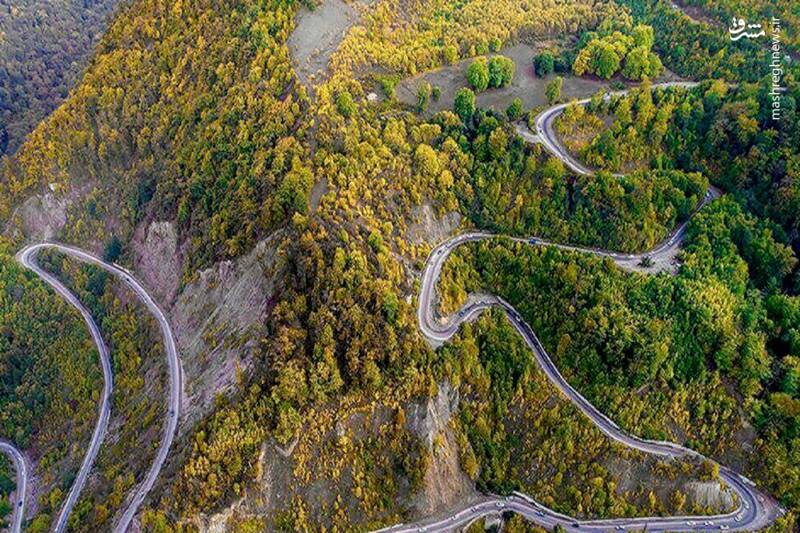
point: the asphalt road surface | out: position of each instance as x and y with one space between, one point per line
756 509
21 493
27 258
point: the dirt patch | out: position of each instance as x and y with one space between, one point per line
695 14
634 474
427 226
43 216
526 85
317 35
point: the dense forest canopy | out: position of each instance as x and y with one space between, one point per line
190 119
44 46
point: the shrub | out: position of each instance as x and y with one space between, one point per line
544 64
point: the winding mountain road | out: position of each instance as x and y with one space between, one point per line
27 257
546 134
21 492
756 509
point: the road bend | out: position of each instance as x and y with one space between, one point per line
27 258
546 133
755 510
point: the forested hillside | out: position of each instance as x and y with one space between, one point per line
724 132
757 11
699 50
44 46
284 230
51 379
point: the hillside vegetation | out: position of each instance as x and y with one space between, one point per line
44 47
190 115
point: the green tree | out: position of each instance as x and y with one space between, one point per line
292 194
514 110
641 63
478 74
544 63
501 71
113 249
553 89
464 104
605 60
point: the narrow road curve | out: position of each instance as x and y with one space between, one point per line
756 509
27 257
21 493
545 129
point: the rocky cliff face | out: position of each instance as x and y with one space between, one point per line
219 319
158 260
426 226
445 483
710 494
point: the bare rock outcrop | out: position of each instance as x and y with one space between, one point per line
218 320
157 259
44 215
445 483
427 227
710 494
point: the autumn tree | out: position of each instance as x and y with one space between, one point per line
478 74
553 89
